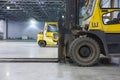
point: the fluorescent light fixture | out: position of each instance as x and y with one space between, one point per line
8 7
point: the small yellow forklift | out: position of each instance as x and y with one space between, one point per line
49 36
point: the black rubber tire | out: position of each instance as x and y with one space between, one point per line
76 47
42 43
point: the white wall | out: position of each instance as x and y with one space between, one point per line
26 28
2 24
21 28
14 29
3 28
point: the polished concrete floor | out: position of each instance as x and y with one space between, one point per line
26 50
57 71
48 71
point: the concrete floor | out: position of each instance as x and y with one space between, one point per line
56 71
26 50
48 71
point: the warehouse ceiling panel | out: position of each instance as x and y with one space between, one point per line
42 10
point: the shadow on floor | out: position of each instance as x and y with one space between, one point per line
103 62
52 46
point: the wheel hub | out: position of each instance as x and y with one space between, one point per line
42 43
84 51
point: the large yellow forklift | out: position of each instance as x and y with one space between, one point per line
97 33
49 36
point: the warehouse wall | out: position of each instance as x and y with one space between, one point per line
18 29
14 29
3 28
2 24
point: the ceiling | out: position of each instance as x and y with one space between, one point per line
42 10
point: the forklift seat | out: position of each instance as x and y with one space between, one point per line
115 20
118 16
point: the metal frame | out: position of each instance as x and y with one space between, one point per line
42 10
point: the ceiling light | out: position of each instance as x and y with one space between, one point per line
8 7
33 24
13 2
33 21
63 16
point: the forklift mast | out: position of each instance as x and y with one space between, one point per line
72 13
71 21
71 18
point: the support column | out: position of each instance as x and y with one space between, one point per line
6 28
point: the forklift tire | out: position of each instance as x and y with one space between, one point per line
84 51
42 43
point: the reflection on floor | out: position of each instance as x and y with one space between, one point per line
56 71
26 50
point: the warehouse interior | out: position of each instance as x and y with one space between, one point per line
21 56
21 21
20 15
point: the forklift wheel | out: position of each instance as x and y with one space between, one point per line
84 51
42 43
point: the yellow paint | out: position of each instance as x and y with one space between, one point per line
96 19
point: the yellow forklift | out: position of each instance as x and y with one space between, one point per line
49 36
82 41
